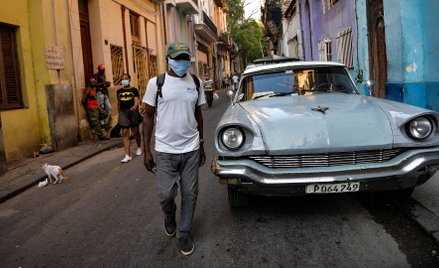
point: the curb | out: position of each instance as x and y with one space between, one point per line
425 218
35 181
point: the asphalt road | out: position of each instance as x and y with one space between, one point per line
108 215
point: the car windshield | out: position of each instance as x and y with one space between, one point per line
297 82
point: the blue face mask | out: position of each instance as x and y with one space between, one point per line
179 67
125 83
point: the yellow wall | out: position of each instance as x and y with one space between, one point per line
24 129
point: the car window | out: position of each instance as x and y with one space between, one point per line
296 81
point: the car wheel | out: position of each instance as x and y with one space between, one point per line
237 199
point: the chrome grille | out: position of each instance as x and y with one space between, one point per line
327 159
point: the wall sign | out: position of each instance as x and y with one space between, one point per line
54 58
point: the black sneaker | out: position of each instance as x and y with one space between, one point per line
186 245
169 226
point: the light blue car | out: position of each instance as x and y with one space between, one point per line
301 128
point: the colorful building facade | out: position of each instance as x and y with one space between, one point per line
37 102
405 36
391 42
51 48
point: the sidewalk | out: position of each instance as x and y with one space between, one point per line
28 172
425 209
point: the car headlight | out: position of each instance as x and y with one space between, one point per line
232 138
420 128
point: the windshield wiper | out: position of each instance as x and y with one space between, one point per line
279 94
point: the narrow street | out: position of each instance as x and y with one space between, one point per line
107 215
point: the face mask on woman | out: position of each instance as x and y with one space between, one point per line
179 67
125 82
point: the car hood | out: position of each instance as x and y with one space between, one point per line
345 122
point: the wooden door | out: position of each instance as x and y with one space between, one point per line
87 56
377 46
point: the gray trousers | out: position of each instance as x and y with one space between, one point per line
104 102
174 169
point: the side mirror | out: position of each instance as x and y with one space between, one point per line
371 86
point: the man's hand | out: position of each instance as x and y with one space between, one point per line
202 156
148 161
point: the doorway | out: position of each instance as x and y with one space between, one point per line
377 46
84 23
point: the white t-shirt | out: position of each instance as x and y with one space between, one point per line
208 85
235 79
176 128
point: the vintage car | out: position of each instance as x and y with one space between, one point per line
299 128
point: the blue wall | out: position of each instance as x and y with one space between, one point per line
412 43
361 56
431 53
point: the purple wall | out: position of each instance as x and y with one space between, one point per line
330 24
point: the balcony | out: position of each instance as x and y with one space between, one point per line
206 28
187 6
224 43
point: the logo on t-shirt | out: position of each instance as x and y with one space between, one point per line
190 90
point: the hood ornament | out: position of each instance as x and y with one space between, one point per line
320 109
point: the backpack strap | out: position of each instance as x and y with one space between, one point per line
159 82
196 81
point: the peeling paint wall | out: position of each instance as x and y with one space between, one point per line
412 46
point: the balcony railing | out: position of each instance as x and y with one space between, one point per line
205 27
209 23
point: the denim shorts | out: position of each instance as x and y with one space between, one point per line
129 118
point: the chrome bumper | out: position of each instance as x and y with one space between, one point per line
416 164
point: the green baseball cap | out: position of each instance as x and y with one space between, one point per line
178 48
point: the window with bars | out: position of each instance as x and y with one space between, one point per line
153 67
117 63
291 9
345 51
10 85
135 28
328 5
325 50
140 65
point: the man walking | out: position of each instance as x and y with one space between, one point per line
235 79
208 90
174 100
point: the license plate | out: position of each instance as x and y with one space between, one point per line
347 187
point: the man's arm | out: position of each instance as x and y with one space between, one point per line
199 118
148 125
84 97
